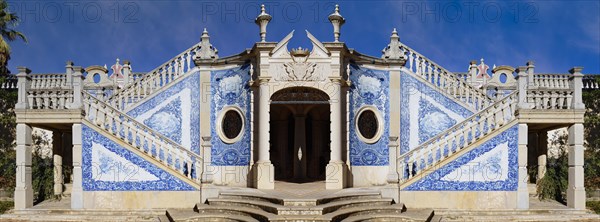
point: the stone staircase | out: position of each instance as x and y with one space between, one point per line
138 137
253 206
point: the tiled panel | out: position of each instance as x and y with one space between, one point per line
369 88
107 166
175 112
425 112
230 88
492 166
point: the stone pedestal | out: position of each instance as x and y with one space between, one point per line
265 174
23 188
335 175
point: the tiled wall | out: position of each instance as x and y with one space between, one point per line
492 166
230 88
369 87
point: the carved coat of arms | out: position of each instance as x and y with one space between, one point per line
299 69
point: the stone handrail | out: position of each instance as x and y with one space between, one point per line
138 135
459 136
590 82
9 83
551 81
155 79
49 98
49 81
445 80
550 98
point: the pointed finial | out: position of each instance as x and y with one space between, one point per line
262 20
207 51
337 21
393 51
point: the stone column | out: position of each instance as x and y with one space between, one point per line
576 83
23 83
57 153
542 152
77 192
576 190
300 144
264 170
23 188
336 169
522 191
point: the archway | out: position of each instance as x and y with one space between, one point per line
299 134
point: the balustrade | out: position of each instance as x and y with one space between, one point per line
138 135
459 136
155 79
445 80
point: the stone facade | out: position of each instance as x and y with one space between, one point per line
400 124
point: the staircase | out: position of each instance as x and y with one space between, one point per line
257 206
118 126
445 81
447 143
154 80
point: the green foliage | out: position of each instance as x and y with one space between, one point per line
593 205
592 136
6 205
42 171
554 183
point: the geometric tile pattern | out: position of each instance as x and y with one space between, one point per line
174 112
369 87
107 166
492 166
425 112
230 88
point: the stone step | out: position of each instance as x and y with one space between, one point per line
342 204
257 204
410 215
349 196
255 213
78 217
189 215
364 210
250 196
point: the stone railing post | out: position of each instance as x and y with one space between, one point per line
522 86
530 74
472 72
77 87
69 72
23 83
126 72
576 83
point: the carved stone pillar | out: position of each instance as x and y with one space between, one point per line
77 192
336 169
522 191
542 154
575 189
57 155
23 186
264 170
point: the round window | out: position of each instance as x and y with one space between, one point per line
231 125
368 124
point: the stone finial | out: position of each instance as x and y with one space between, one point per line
392 51
337 21
207 51
262 20
576 70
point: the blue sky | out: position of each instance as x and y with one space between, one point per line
556 35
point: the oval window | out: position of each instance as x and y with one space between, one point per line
231 126
368 124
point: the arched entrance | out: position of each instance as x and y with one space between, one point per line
299 134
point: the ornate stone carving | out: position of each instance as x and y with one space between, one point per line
300 71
